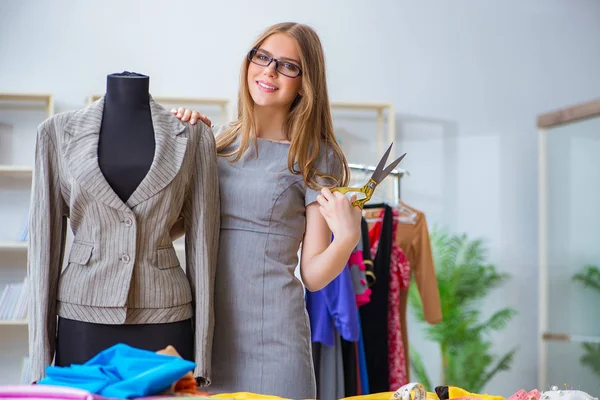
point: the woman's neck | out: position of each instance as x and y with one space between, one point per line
269 123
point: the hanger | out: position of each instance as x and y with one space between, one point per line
407 215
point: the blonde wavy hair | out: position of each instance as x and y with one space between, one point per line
308 125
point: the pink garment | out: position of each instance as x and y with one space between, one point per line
357 266
399 279
523 395
45 392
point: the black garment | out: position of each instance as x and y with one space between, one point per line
78 341
349 349
374 315
126 144
350 368
366 252
442 392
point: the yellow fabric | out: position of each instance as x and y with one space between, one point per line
456 392
246 396
386 396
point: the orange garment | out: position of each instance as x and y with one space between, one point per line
413 239
187 385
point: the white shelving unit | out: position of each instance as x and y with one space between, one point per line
20 114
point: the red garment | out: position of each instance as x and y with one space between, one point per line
399 279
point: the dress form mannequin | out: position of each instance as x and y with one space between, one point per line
126 149
126 146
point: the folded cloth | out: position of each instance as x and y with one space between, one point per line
121 371
455 393
523 395
44 392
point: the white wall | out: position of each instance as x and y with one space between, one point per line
467 79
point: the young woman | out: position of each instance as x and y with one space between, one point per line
276 163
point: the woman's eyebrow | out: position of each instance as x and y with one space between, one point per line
282 58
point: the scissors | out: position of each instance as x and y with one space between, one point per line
378 175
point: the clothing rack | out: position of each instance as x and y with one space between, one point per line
396 173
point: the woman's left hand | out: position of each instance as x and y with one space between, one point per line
341 216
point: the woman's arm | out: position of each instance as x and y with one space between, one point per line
323 259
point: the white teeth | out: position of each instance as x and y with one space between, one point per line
266 86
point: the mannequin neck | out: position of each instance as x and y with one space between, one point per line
127 90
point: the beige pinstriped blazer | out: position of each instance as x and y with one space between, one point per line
122 267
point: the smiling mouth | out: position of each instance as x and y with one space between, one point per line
266 86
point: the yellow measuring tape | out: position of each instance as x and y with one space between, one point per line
404 393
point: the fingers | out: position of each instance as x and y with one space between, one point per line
186 116
327 194
205 119
322 200
197 116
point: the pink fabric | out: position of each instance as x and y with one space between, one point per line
45 392
523 395
356 260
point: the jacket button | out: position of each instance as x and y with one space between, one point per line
125 258
128 222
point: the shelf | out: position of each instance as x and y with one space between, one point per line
13 246
223 104
16 169
177 100
361 105
30 97
14 322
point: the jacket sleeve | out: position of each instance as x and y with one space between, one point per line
47 230
201 213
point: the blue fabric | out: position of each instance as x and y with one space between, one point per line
333 306
121 372
362 361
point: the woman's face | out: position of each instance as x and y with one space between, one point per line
269 86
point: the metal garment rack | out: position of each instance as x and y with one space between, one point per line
396 173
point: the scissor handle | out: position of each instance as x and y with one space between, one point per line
367 190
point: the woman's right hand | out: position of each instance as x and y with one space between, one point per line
188 115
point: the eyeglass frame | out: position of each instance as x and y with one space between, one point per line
252 52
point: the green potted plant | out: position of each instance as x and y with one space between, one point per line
464 279
590 278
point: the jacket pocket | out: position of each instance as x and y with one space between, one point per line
80 253
166 258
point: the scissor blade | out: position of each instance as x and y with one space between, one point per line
390 168
377 173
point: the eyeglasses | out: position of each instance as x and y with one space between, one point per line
286 68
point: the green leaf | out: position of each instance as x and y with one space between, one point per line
464 279
590 277
418 369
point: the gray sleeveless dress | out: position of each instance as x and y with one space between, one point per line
262 341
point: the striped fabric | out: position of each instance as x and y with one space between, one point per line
122 267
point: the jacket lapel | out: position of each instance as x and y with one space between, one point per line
80 150
168 154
